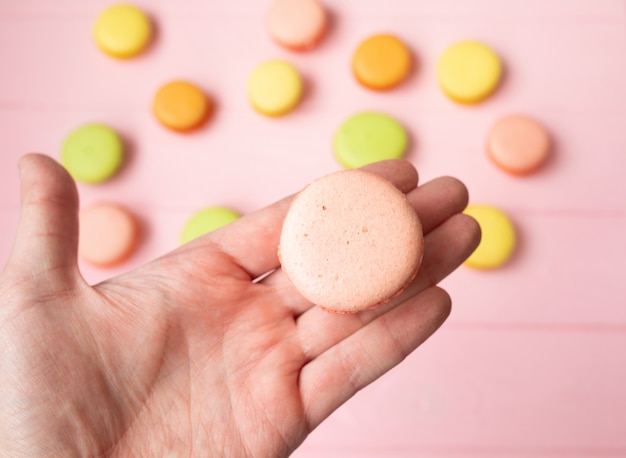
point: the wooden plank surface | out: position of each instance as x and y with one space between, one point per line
532 361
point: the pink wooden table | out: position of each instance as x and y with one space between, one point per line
532 362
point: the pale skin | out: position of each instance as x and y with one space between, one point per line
187 355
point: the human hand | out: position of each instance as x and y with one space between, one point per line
187 355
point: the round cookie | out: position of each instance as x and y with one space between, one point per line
207 220
298 25
369 137
381 62
351 241
469 71
92 153
181 106
518 144
122 31
498 238
275 88
108 234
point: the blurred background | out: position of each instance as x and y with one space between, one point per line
532 362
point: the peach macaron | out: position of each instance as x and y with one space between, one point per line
109 234
298 25
351 241
518 144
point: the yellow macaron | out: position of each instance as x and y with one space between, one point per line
498 237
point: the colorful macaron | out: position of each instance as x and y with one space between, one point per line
369 137
275 88
92 153
518 144
207 220
498 240
382 62
469 71
181 106
298 25
351 241
122 30
109 234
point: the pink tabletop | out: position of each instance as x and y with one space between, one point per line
532 361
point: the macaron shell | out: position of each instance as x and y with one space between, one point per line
92 153
469 71
498 238
351 241
122 31
275 88
109 234
298 25
181 106
381 62
207 220
518 144
369 137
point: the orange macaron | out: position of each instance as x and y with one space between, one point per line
351 241
382 62
181 106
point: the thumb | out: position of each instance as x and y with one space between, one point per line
46 243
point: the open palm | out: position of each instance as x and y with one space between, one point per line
192 354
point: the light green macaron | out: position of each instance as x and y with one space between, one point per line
207 220
92 153
369 137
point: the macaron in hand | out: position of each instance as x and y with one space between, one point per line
351 241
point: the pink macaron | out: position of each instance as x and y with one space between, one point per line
109 234
298 25
351 241
518 144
